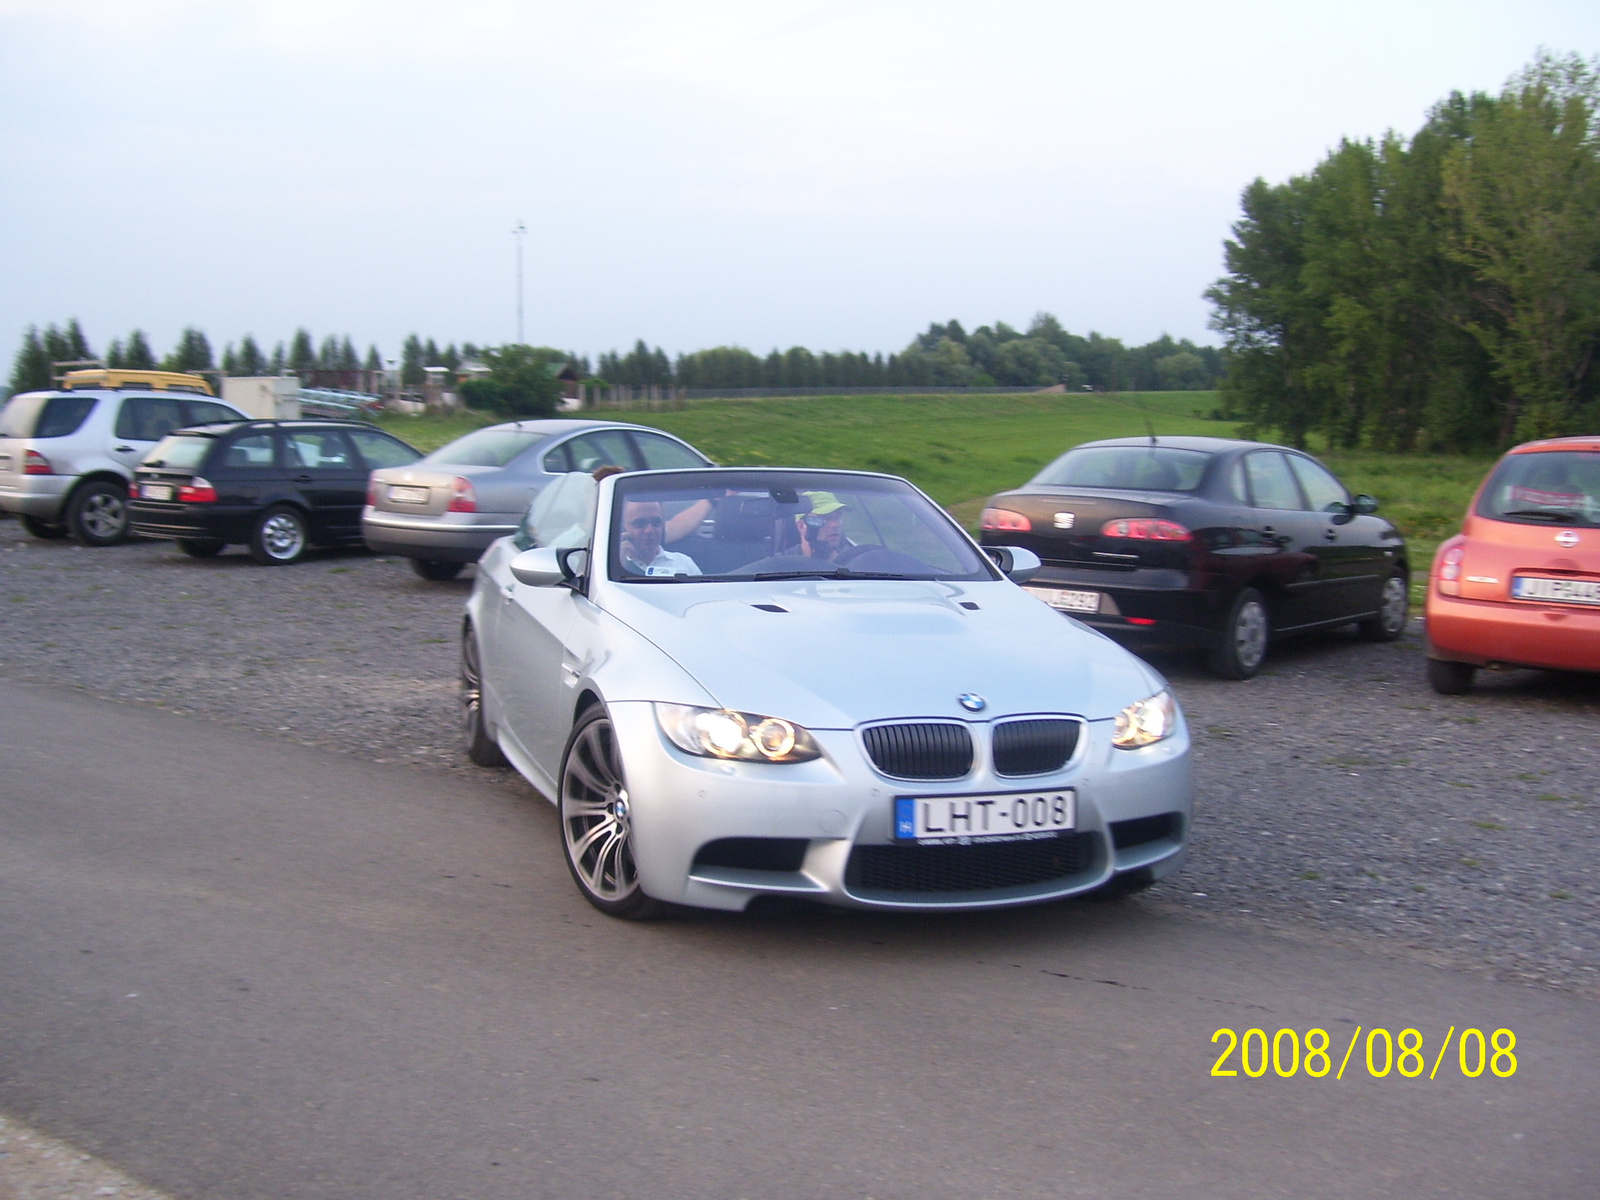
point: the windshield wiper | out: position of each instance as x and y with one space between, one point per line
836 573
1544 514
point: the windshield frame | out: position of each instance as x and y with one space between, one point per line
720 480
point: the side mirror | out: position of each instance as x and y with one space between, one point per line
1016 563
1364 505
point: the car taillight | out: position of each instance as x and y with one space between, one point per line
1450 571
34 463
372 494
1146 529
1003 520
197 491
462 497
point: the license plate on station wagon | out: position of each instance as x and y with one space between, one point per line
1562 591
1001 816
408 495
156 491
1068 601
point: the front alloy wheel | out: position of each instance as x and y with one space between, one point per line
481 748
1393 601
1244 638
596 824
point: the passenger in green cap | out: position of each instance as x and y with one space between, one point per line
822 529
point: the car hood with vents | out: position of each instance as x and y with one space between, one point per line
833 654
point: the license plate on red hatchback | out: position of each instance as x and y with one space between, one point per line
999 816
1560 591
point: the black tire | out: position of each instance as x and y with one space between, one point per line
479 744
1242 646
596 836
1450 678
1394 602
201 547
279 537
97 514
40 528
436 569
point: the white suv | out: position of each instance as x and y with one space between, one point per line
67 457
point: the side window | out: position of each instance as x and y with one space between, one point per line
602 448
380 450
1323 491
61 417
663 453
149 418
319 449
1271 484
249 450
562 515
558 460
204 412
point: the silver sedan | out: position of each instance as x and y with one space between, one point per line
443 512
752 682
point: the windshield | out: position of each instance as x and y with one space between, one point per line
1554 487
178 451
744 525
483 448
1138 468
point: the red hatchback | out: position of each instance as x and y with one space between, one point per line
1519 586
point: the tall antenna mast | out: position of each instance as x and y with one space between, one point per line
520 232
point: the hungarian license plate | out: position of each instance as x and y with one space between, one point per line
408 495
1069 601
1001 816
156 491
1562 591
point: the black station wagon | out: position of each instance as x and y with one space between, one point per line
1206 542
274 486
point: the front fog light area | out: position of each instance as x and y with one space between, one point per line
1145 722
723 733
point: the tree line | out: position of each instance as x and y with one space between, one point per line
1438 292
945 355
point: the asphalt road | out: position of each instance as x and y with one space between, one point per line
239 967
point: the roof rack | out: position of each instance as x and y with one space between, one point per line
115 378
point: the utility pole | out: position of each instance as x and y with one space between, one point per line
520 232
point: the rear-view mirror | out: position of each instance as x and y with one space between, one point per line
1017 563
539 567
1364 505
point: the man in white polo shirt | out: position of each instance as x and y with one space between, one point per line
642 529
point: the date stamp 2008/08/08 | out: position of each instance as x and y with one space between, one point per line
1286 1054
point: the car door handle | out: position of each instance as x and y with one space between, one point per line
123 449
1331 534
302 478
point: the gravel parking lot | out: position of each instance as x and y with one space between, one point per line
1339 798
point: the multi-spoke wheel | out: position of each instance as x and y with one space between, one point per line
97 514
1393 601
1244 638
279 537
596 824
480 744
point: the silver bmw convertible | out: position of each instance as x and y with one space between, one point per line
755 682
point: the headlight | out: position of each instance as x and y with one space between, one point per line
723 733
1145 722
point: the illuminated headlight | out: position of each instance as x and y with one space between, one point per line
1145 722
723 733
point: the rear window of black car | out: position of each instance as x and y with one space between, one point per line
1138 468
1552 487
45 417
179 452
484 448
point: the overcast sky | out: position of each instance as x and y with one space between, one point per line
834 175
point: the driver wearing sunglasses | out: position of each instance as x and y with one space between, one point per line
642 529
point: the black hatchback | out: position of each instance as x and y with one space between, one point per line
1206 542
274 486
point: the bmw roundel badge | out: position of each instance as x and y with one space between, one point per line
972 702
